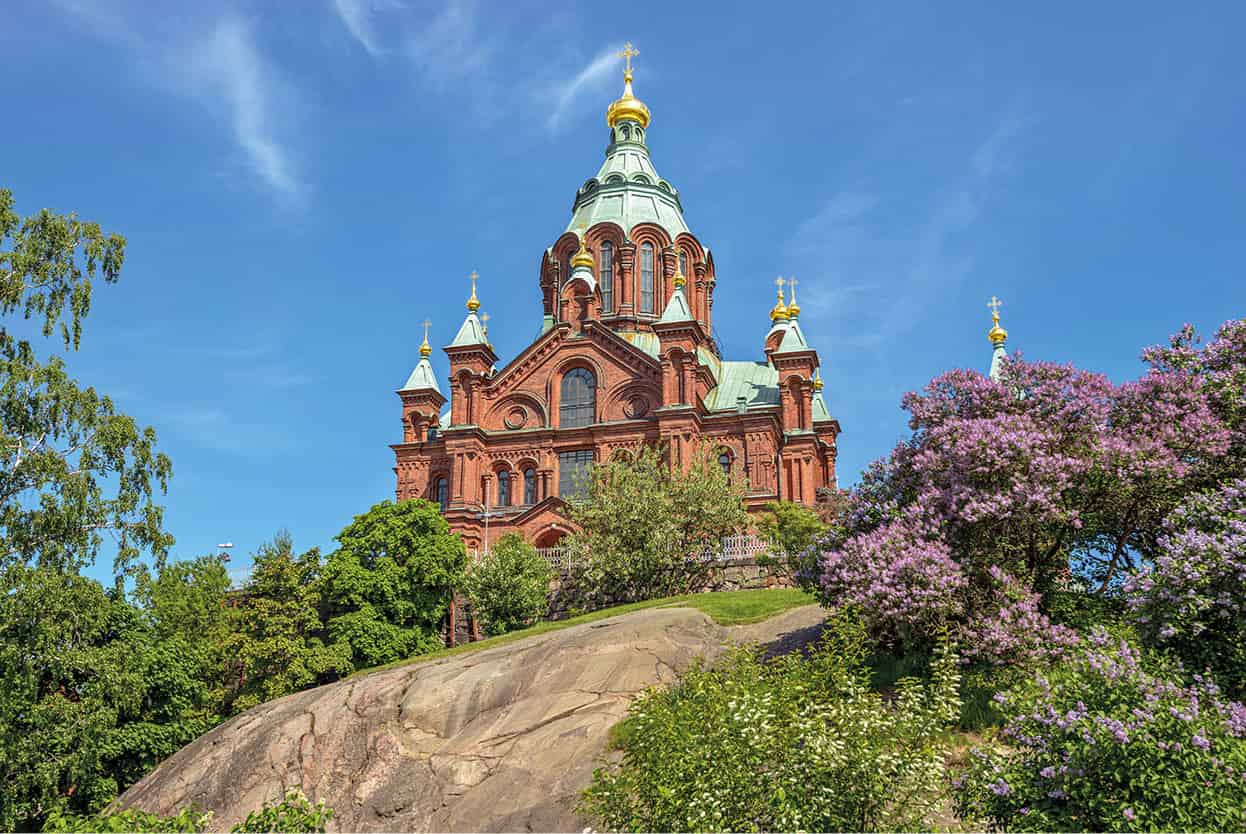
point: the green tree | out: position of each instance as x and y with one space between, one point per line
186 603
71 467
89 701
389 584
644 526
792 529
509 587
279 647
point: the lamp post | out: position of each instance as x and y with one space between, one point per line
487 514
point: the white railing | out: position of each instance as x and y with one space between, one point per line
732 549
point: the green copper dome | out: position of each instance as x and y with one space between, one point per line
627 190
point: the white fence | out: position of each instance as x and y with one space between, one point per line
732 549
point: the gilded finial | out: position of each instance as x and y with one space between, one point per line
680 279
473 303
996 334
627 106
426 349
582 257
779 313
817 380
793 309
484 327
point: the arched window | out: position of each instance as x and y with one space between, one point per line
605 276
529 486
440 493
683 263
724 460
504 488
577 403
646 278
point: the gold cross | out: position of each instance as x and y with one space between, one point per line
484 318
473 276
791 283
627 54
994 305
427 324
779 282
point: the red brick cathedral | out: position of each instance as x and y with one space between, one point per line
626 357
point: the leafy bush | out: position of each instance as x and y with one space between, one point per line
187 820
1192 601
388 585
1108 742
644 526
509 587
792 530
793 745
294 814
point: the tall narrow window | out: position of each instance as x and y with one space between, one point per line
646 278
529 487
573 469
577 403
440 493
683 263
504 488
724 460
605 276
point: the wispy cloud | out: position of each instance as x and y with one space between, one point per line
356 16
451 45
566 93
864 265
218 64
228 72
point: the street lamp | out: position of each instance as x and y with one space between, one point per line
487 514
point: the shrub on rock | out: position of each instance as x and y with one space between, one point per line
509 587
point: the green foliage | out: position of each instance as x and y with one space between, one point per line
188 820
509 587
792 529
71 467
644 525
389 584
89 701
1110 740
793 745
278 647
294 814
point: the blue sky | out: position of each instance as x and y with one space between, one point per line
301 184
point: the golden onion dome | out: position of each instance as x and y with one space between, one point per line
426 350
996 334
779 312
817 381
627 106
582 257
473 303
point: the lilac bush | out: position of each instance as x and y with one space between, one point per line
1012 631
900 579
1192 601
1054 476
1105 742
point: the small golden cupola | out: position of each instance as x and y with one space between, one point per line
473 303
627 106
779 312
582 257
793 309
997 334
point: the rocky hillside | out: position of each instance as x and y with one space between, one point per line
502 739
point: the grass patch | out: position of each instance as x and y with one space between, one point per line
724 607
